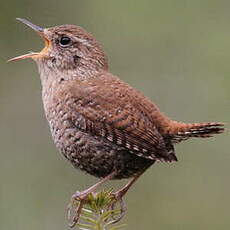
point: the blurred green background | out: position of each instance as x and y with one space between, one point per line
177 53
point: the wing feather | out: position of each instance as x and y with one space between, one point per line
103 111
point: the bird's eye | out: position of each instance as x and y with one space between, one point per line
65 41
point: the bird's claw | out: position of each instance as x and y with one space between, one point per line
122 208
79 199
74 208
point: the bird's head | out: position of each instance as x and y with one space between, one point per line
67 48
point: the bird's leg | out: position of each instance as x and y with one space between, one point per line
81 197
121 192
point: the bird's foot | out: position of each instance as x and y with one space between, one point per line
75 206
80 198
118 199
106 206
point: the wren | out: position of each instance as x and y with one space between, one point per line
100 124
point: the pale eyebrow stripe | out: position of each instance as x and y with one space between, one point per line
83 41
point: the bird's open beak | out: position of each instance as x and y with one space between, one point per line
40 31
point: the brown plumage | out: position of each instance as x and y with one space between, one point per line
101 124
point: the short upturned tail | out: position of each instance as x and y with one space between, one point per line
183 131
